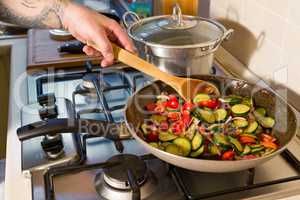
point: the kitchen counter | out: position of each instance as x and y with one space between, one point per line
17 186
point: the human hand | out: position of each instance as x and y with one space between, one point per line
87 25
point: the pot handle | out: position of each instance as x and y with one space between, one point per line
227 34
131 14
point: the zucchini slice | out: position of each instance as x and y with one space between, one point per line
247 150
220 114
232 100
153 144
261 111
190 132
197 141
240 123
220 139
174 149
240 109
207 116
214 150
200 97
184 144
255 150
236 144
267 122
258 130
144 128
198 152
249 135
166 136
252 127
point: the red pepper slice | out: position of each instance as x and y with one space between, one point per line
151 107
174 116
186 118
267 138
269 144
211 103
247 140
228 155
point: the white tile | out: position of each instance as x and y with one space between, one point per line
294 14
278 7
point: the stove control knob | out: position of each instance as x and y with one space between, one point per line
47 99
48 112
53 145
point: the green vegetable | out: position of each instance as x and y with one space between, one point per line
158 118
166 136
247 150
144 128
249 135
240 123
153 144
184 144
197 141
233 99
252 127
261 111
220 139
236 144
255 150
240 109
198 152
220 114
247 101
266 122
213 149
191 131
258 130
207 116
200 97
174 149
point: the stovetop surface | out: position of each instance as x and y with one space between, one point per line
274 176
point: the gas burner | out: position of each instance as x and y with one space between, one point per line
126 179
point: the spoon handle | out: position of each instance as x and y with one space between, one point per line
137 63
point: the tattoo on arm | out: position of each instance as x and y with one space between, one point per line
33 13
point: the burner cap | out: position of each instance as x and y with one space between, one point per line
87 81
117 177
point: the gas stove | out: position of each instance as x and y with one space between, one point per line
85 167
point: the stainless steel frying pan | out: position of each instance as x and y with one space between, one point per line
285 127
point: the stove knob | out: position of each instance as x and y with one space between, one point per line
53 145
47 99
48 112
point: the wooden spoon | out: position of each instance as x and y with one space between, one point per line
187 88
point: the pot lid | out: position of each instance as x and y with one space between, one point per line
177 30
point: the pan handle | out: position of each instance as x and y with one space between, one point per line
66 125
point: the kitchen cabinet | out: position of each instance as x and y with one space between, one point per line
4 95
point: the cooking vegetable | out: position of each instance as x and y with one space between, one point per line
228 128
240 123
252 127
184 144
220 114
197 141
200 97
240 109
198 152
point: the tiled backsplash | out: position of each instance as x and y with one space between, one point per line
266 39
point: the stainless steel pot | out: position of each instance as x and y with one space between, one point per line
178 44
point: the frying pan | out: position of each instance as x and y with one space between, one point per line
135 114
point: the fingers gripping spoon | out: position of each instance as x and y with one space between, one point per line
187 88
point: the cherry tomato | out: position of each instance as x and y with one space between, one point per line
267 138
186 118
152 137
228 155
269 144
248 157
246 140
164 126
211 103
174 116
160 108
177 127
151 107
187 106
172 103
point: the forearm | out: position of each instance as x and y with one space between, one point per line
34 13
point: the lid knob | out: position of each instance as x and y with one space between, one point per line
177 15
